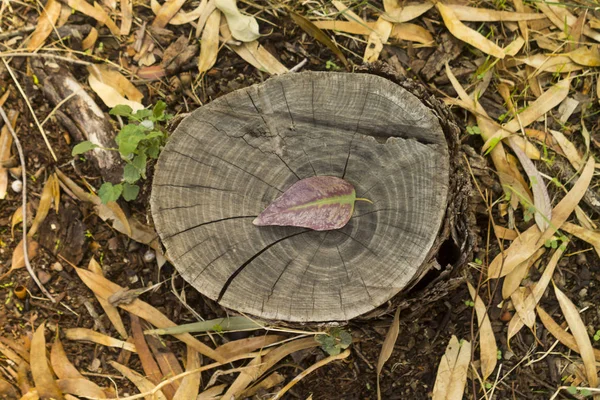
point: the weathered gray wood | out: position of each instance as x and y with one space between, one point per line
230 159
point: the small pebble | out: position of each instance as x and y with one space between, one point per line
44 277
583 293
149 256
57 267
17 186
508 355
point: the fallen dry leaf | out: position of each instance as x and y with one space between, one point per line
18 261
587 56
80 387
316 32
473 14
190 385
590 236
586 351
513 280
143 384
395 12
97 337
243 27
60 363
181 18
40 371
452 371
115 79
6 140
111 312
167 12
126 17
377 38
45 25
96 12
388 347
49 193
550 63
110 95
412 33
210 42
240 347
488 349
149 365
531 240
569 149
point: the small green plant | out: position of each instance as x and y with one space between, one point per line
334 342
597 336
141 139
581 391
473 130
469 303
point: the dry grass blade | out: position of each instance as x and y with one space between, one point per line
239 347
210 42
190 385
6 141
60 363
559 333
310 369
377 38
111 312
465 13
580 334
466 34
255 54
40 371
45 25
99 338
18 260
319 35
388 347
515 277
525 301
48 195
488 350
143 384
105 288
81 387
531 240
408 12
267 362
452 371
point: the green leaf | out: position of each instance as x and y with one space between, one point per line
122 110
128 139
159 109
139 162
130 192
155 134
493 144
572 390
131 174
82 147
109 192
142 114
153 149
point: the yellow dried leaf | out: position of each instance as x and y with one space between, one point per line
112 87
452 371
90 39
18 261
240 347
81 387
40 371
166 12
143 384
60 363
465 13
590 236
587 56
99 338
406 12
352 27
96 12
505 233
310 28
466 34
532 239
181 17
515 277
190 384
586 351
561 17
6 140
388 346
488 350
111 312
412 33
569 149
544 63
48 195
45 25
210 42
346 12
377 38
126 17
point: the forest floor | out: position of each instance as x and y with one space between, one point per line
522 80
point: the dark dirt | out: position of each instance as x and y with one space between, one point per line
77 234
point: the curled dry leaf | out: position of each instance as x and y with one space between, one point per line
166 12
412 33
113 88
210 42
45 25
488 350
452 371
18 261
255 54
316 32
40 371
377 38
466 34
590 236
181 18
580 334
403 13
243 27
319 202
99 338
532 239
60 363
388 347
50 193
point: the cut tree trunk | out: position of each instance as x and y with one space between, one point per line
228 160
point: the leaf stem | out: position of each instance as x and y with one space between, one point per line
364 199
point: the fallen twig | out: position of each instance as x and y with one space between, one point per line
24 206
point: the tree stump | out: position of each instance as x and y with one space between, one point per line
228 160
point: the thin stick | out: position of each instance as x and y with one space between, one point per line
24 206
45 55
63 101
12 74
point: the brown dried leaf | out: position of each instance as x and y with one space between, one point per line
412 33
149 365
561 17
40 371
190 384
181 18
532 239
587 56
352 27
488 350
18 261
550 63
90 39
210 42
240 347
452 371
126 17
81 387
48 195
377 38
111 312
569 149
407 12
505 233
105 288
45 25
168 363
143 384
319 35
586 351
97 337
167 11
96 12
60 363
388 347
466 34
